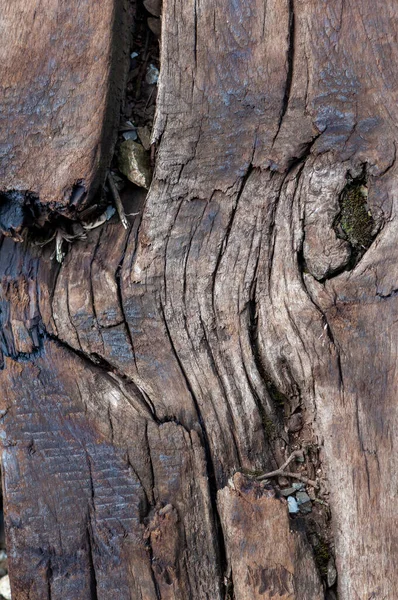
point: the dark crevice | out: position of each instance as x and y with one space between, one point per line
110 371
93 577
221 384
89 535
95 361
392 294
211 474
146 518
224 243
49 577
289 73
296 161
272 418
229 587
120 296
8 349
78 194
19 209
123 19
150 465
152 562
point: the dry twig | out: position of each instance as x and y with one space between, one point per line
281 471
117 200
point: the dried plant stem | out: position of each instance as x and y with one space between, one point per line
117 200
281 471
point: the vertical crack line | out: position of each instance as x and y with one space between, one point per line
70 316
361 442
93 577
166 246
153 575
290 62
218 376
300 269
224 243
264 406
49 579
152 472
118 277
195 34
211 475
91 291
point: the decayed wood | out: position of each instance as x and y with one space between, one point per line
267 559
145 371
59 96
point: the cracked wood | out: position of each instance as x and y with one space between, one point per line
140 375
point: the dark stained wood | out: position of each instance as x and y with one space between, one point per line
155 366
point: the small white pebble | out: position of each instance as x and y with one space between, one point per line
292 504
152 75
5 589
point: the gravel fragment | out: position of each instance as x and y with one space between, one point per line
288 491
302 498
152 75
293 506
130 135
331 573
145 137
134 163
298 486
5 589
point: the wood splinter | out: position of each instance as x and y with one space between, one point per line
281 471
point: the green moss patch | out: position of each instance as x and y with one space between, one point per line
355 221
322 556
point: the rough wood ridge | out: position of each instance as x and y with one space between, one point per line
140 377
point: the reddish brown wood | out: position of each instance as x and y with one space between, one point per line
61 81
267 559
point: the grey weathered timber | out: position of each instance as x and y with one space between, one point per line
154 373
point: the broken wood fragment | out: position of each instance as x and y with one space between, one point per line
62 71
267 557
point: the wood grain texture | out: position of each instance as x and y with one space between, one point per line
59 97
267 558
165 351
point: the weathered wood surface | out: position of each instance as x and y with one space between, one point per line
59 96
137 375
267 558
